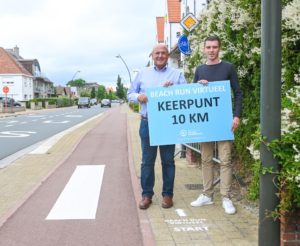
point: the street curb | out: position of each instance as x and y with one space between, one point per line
145 225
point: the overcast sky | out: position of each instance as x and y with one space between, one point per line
66 36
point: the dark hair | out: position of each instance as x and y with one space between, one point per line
213 38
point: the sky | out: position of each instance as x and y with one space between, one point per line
67 36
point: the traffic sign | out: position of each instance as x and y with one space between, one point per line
5 89
189 22
184 45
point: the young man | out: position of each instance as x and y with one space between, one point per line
158 75
216 70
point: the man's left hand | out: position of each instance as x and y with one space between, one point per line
235 123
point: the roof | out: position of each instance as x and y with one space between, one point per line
174 11
160 22
63 90
9 65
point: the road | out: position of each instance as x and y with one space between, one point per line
23 131
88 200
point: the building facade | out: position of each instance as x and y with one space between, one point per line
23 77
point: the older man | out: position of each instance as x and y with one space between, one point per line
158 75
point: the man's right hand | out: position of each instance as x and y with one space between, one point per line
203 82
142 98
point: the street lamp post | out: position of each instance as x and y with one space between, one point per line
119 56
71 82
75 74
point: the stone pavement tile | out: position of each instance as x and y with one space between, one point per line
240 242
161 225
162 235
165 243
226 243
154 212
218 238
198 235
196 243
179 239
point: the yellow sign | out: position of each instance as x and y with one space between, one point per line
189 22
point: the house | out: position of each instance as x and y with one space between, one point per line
176 10
173 31
160 28
23 76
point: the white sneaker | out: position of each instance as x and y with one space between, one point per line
228 206
201 201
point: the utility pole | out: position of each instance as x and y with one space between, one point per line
270 118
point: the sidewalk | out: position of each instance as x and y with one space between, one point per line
186 225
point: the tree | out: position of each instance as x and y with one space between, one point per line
101 92
93 93
120 90
85 94
76 83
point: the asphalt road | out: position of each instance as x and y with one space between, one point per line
115 219
23 131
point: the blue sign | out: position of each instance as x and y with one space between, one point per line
190 113
184 45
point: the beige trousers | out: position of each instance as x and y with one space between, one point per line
224 155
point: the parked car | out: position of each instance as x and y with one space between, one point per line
105 103
84 102
94 101
9 102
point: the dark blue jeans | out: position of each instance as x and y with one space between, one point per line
148 160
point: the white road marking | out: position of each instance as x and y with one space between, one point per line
180 212
36 116
56 122
16 134
12 121
79 199
74 116
8 125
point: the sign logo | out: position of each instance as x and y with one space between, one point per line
184 45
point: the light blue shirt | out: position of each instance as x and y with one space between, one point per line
152 77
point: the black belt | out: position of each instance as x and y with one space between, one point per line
144 117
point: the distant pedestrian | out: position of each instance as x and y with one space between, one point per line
158 75
217 70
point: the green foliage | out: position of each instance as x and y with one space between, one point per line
64 102
76 83
101 92
120 90
58 101
238 24
134 106
93 93
85 94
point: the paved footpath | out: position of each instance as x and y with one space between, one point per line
185 225
180 225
